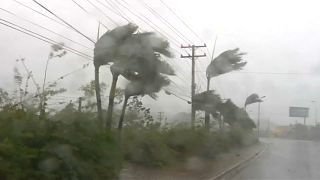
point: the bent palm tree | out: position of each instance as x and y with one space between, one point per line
104 51
226 62
234 115
131 61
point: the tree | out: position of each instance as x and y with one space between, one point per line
104 53
4 98
233 114
57 51
226 62
207 101
253 98
131 61
146 86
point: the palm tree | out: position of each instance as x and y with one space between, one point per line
226 62
131 61
207 101
104 51
148 85
234 115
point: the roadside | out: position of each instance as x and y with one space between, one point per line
193 168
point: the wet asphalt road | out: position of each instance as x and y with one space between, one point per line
284 159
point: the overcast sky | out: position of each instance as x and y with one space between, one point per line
281 37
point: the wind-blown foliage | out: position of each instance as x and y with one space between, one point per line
104 52
149 85
233 114
226 62
135 59
253 98
207 101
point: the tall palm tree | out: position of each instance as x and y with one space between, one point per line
131 61
226 62
104 51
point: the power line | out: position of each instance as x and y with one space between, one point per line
28 7
275 73
42 27
75 29
68 74
112 10
121 13
168 24
43 38
179 18
172 11
147 21
139 17
102 12
82 8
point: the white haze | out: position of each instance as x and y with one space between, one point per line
280 36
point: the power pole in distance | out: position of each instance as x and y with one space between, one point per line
160 116
193 57
80 104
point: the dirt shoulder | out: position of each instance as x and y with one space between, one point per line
193 168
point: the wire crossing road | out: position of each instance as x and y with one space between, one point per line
284 159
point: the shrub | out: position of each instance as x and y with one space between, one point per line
42 149
146 147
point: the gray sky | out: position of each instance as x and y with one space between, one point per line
280 36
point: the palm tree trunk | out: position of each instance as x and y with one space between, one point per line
98 96
123 113
111 101
207 115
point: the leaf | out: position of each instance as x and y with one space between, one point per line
227 61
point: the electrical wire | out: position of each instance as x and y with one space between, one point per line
65 22
42 38
83 9
47 29
102 12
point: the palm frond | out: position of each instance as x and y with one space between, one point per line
164 68
227 61
253 98
147 86
106 47
207 101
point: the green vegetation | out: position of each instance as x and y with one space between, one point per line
70 145
71 148
79 143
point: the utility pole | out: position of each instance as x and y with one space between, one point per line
80 104
160 116
193 57
258 124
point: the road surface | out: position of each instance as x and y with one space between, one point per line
284 159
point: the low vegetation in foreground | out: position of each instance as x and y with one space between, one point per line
70 144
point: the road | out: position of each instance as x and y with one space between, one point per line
284 159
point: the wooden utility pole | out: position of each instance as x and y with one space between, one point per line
193 57
160 117
80 104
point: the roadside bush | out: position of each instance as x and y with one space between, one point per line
42 149
146 147
156 148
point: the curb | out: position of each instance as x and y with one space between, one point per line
238 166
